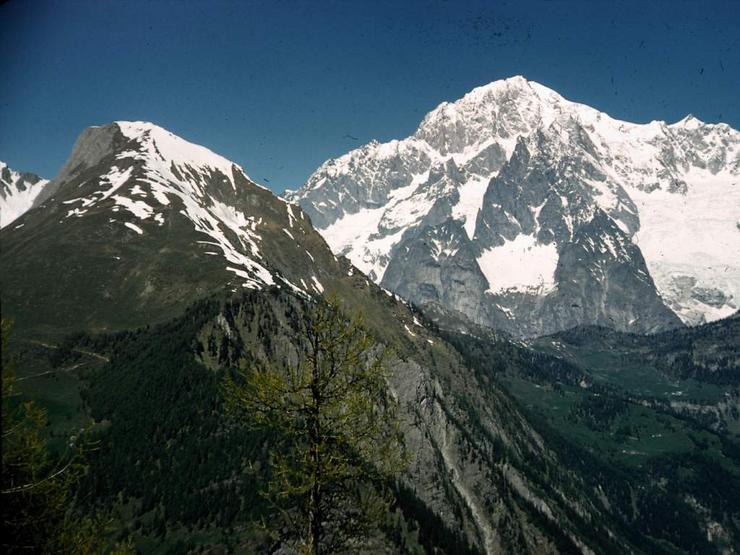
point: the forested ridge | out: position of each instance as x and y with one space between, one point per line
172 471
708 353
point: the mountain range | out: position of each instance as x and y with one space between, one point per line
150 268
142 230
517 209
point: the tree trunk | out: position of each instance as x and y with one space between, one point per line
315 520
315 443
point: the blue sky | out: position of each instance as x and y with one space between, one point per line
279 87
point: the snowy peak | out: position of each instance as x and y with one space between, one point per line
144 181
689 122
522 168
156 143
141 222
502 109
147 146
18 191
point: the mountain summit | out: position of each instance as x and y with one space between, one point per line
142 219
518 209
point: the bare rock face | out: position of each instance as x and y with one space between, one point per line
92 146
518 209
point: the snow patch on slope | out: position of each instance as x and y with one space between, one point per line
162 144
114 180
138 208
471 200
521 264
135 227
367 236
691 244
352 235
171 168
175 167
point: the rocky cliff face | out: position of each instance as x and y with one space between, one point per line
518 209
475 460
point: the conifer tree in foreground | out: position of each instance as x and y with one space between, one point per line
334 432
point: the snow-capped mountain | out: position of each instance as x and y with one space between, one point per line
519 209
18 190
142 217
140 225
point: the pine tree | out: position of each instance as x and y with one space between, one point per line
334 431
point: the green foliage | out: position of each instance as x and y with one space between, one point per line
175 476
37 489
168 467
598 411
705 353
492 356
172 472
335 430
663 474
433 534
